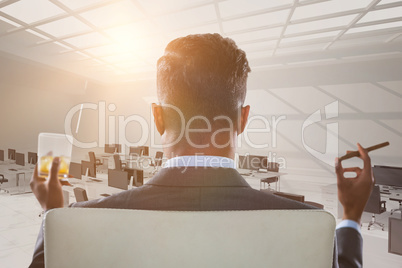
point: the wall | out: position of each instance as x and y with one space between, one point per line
366 109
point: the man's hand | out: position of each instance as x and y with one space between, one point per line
353 193
48 192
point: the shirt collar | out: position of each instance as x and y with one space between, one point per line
200 161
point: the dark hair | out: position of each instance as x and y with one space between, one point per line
203 74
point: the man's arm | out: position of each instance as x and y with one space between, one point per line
50 195
353 194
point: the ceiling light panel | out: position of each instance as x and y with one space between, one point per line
272 33
238 7
76 4
105 50
388 1
87 40
114 14
328 7
382 14
310 37
164 7
127 57
272 18
37 34
128 34
30 11
300 49
188 18
63 27
259 46
209 28
382 26
319 24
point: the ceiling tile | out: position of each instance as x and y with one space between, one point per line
238 7
87 40
272 33
75 4
30 11
136 36
328 7
319 24
113 15
188 18
63 27
382 14
262 20
376 27
163 7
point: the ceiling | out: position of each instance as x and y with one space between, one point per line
113 41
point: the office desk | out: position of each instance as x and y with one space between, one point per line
18 178
250 174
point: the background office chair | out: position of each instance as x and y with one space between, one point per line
119 165
3 180
195 238
92 159
400 205
80 194
157 161
376 206
274 167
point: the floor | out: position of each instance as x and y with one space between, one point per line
20 223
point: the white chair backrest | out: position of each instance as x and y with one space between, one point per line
83 237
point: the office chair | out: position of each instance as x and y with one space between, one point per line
80 194
375 206
400 205
118 165
274 167
92 159
157 161
194 238
3 180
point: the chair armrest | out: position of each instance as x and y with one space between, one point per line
2 176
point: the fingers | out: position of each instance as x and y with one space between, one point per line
353 169
54 170
364 156
339 171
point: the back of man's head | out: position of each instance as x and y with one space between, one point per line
202 75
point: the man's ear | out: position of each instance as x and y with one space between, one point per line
157 111
243 119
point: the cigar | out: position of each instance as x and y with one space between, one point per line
369 149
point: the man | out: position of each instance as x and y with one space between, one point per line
201 83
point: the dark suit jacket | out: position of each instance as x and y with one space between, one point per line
203 189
